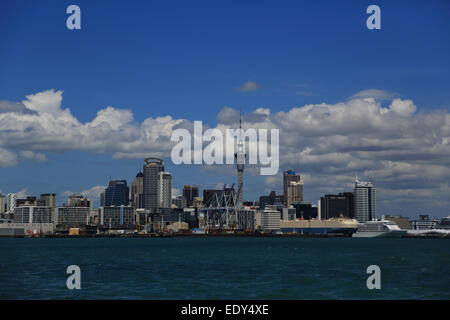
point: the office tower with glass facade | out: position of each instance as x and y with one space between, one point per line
164 184
337 205
365 201
11 199
294 193
152 167
137 191
189 193
288 177
2 203
49 199
117 193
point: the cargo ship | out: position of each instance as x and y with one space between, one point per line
337 226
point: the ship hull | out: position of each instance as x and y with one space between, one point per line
381 234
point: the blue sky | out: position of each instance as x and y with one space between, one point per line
187 58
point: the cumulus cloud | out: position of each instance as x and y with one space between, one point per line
249 86
91 193
398 147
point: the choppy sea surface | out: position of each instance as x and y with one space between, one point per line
224 268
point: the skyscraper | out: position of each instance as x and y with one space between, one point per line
117 193
49 199
288 177
152 167
164 189
365 201
2 203
294 193
335 205
189 193
137 191
11 200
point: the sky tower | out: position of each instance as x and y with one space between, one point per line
240 161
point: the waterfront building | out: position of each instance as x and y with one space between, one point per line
72 217
77 200
117 217
270 220
305 211
117 193
365 201
271 200
152 167
337 205
164 185
288 214
294 193
48 199
197 202
32 214
288 177
190 192
179 202
2 203
28 201
11 200
137 191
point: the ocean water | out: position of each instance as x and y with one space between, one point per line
224 268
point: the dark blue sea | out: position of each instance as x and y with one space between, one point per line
224 268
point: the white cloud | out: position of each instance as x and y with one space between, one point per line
91 193
375 94
397 147
249 86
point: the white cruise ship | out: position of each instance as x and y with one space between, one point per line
381 229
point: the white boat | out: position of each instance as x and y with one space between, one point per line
379 229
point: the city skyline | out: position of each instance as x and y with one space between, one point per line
79 107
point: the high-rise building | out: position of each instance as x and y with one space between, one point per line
2 203
152 167
270 220
271 200
137 191
49 199
28 201
365 201
288 177
164 189
120 217
179 201
294 193
72 217
33 214
117 193
78 200
189 193
11 199
305 211
336 205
